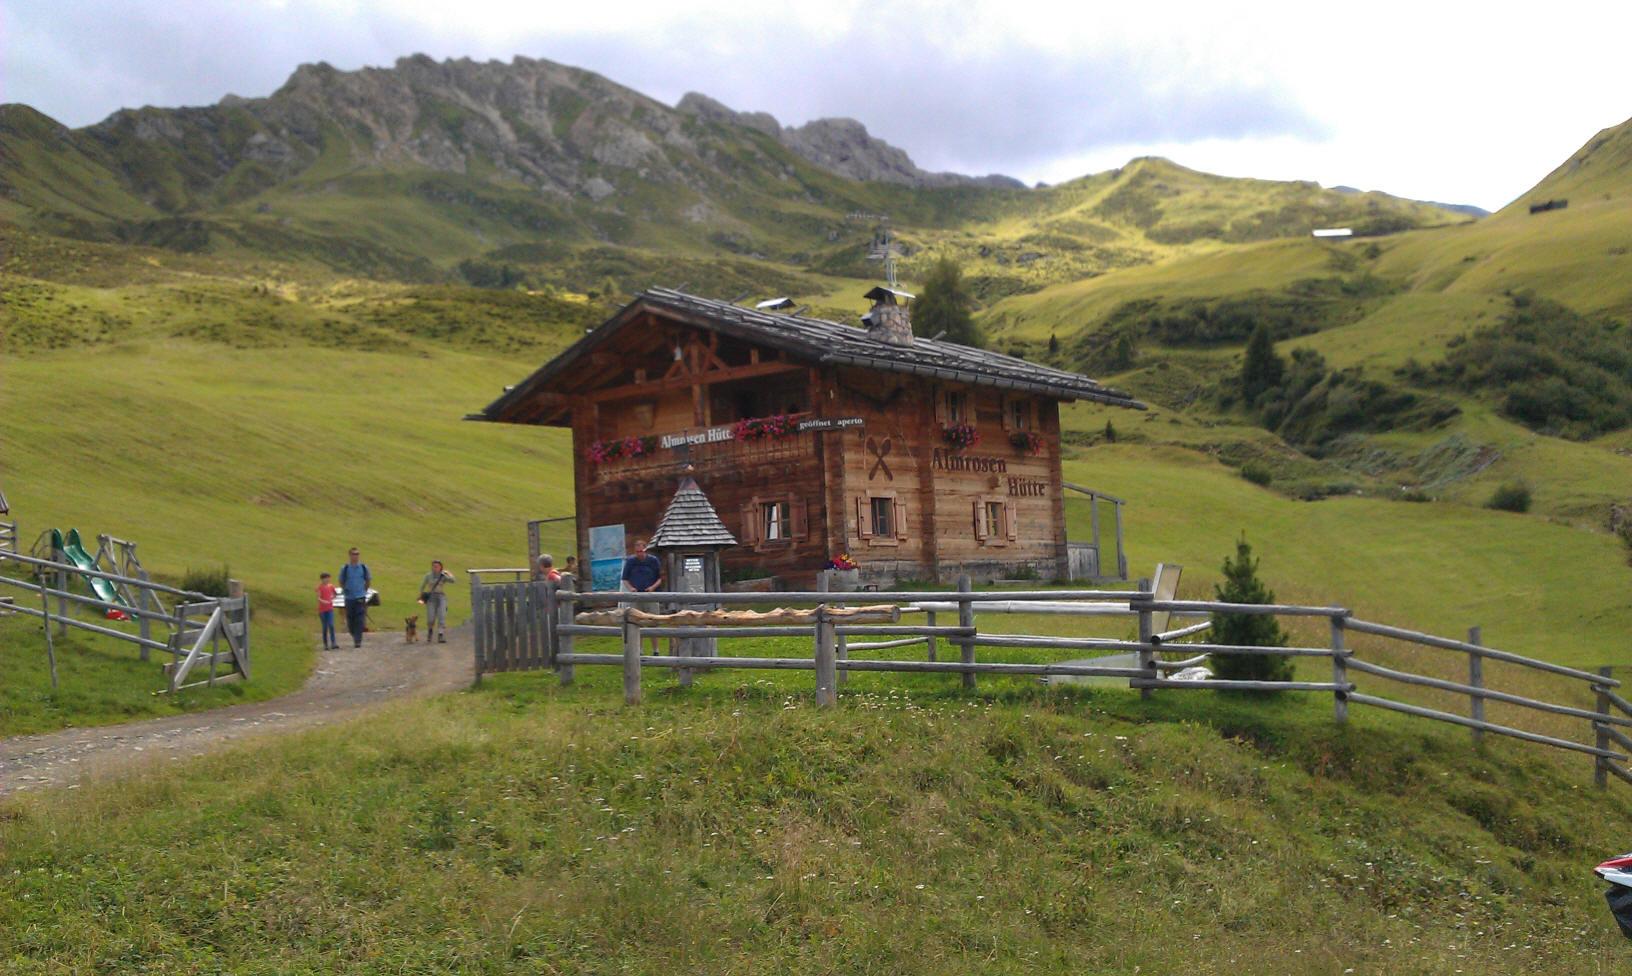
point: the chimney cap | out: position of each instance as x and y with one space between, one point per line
889 296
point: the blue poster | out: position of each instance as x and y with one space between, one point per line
606 556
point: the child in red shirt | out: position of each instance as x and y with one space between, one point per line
325 611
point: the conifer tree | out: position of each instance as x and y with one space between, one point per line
943 305
1261 369
1242 585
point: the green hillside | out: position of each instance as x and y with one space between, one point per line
266 387
1471 352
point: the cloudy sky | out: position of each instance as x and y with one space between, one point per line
1436 101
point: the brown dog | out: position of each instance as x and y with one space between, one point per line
412 629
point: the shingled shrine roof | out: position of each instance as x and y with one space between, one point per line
823 342
690 522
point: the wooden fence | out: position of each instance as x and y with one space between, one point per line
199 631
523 625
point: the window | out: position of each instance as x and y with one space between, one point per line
1019 416
881 518
954 407
993 517
995 521
773 521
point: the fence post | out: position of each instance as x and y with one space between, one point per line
966 620
1340 673
478 618
568 613
1600 764
1147 657
144 603
631 660
1476 678
827 693
62 587
50 646
929 618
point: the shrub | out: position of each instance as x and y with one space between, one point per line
1513 496
1549 367
1257 472
1110 432
1242 585
208 581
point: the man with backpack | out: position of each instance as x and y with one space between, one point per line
354 582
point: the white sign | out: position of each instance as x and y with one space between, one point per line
712 435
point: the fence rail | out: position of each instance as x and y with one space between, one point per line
535 625
192 632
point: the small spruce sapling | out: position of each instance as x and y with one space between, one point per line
1242 585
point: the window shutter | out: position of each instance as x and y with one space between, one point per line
750 524
1006 405
1011 519
900 519
864 518
799 515
980 521
940 406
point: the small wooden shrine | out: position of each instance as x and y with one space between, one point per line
917 458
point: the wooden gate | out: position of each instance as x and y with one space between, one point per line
512 625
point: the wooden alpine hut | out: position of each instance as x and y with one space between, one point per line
915 457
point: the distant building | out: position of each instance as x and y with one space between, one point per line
1335 232
918 458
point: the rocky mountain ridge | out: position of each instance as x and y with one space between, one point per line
840 145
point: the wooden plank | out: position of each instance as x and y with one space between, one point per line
918 597
1616 736
1231 684
908 667
1476 679
568 607
827 693
1600 770
1421 712
1258 609
1147 627
50 643
631 664
929 640
478 616
966 620
1340 676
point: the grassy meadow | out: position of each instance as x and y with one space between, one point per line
526 828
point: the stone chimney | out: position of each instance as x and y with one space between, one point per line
890 320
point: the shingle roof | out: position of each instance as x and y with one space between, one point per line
829 343
690 521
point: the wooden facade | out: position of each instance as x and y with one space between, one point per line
807 451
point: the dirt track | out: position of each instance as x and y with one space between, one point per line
345 683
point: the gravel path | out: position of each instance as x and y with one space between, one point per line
345 683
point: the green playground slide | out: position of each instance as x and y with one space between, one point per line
74 549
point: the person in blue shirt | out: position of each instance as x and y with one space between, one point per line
354 582
643 574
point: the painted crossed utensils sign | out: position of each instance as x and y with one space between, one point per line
879 449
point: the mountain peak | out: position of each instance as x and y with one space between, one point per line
838 145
